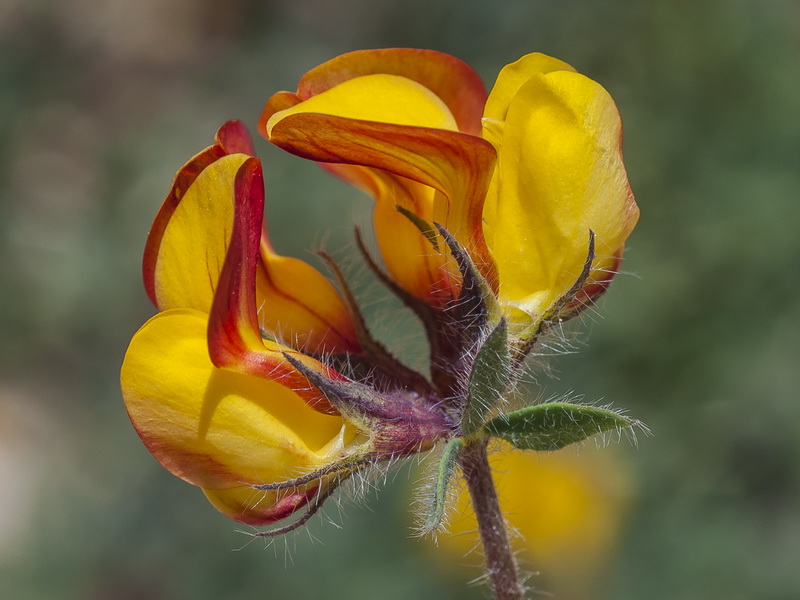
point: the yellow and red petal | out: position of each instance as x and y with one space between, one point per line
213 427
260 508
381 98
277 102
299 305
457 165
408 254
449 78
231 139
234 334
560 174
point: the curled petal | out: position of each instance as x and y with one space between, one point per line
234 138
560 175
277 102
216 428
447 77
458 166
234 335
186 244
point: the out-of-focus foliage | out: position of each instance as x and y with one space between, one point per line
101 102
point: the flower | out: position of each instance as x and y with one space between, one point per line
210 383
520 178
495 217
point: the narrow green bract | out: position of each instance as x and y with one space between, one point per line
425 228
489 378
447 465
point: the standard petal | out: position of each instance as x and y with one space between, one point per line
193 191
457 165
449 78
216 428
560 175
381 98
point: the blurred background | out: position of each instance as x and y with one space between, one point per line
102 101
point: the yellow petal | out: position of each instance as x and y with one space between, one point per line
510 79
216 428
231 138
297 304
449 78
409 256
560 174
194 242
381 98
513 76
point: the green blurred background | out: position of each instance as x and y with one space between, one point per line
102 101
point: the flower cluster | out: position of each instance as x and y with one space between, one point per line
495 217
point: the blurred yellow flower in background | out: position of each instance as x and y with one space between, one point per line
565 510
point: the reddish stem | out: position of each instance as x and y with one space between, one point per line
500 561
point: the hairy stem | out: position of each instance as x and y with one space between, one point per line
500 561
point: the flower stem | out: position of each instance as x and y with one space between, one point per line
500 561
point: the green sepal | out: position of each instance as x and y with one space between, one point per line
447 466
425 228
490 376
477 303
554 425
358 402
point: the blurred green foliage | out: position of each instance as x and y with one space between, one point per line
101 102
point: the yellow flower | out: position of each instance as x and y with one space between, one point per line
495 217
565 507
520 178
213 382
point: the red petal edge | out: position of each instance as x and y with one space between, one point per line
231 138
234 336
450 78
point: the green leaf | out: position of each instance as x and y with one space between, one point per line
447 466
554 425
489 378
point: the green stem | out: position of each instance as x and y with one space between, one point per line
500 561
